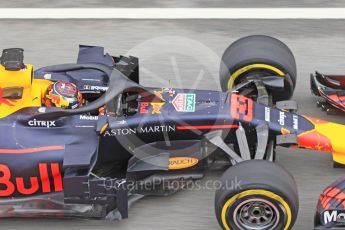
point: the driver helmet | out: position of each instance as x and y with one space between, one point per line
64 95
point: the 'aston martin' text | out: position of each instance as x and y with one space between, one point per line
138 130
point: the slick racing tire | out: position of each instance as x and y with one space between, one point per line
256 194
259 55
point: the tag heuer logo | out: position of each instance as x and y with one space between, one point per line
184 102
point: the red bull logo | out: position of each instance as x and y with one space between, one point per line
159 94
151 107
156 107
9 184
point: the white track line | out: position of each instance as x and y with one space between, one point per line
172 13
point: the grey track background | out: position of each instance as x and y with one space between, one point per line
317 44
173 3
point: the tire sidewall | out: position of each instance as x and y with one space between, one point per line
246 51
225 197
257 175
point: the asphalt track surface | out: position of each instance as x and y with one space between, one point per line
172 3
317 44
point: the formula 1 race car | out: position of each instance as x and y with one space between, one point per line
330 212
86 139
331 90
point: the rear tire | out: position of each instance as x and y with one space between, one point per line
259 55
265 197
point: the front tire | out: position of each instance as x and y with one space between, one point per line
265 197
259 55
